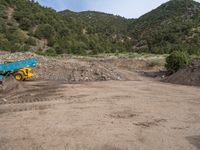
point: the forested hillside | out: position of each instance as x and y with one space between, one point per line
27 26
172 26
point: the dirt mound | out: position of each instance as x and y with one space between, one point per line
74 70
134 64
69 69
10 85
187 76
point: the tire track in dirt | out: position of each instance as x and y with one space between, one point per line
35 97
38 96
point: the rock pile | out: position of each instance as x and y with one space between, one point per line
69 70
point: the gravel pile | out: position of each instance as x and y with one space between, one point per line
70 70
187 76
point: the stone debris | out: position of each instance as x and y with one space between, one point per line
67 69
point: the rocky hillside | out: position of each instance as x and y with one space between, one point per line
27 26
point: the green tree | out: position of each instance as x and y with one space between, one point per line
45 31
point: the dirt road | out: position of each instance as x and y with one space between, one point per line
115 115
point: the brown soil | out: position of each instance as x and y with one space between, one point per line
113 115
10 85
187 76
78 70
134 113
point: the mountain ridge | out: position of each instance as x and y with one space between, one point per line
29 26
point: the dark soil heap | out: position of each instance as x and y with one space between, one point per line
187 76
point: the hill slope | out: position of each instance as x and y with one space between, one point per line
25 25
174 25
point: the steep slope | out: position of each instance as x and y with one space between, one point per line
66 32
173 25
25 25
103 32
102 22
185 10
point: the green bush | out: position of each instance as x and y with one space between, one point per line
39 52
4 43
45 31
50 52
177 60
24 48
31 41
25 23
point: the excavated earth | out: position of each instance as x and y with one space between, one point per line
127 112
68 69
76 70
187 76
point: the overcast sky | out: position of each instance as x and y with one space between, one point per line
125 8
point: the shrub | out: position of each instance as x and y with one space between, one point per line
24 48
39 52
25 23
45 31
4 43
31 41
50 52
177 60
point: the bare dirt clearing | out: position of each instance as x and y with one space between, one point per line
76 70
114 115
132 112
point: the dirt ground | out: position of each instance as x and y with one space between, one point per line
142 114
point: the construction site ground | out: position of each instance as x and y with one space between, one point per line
137 113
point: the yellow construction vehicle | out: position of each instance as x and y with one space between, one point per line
21 74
